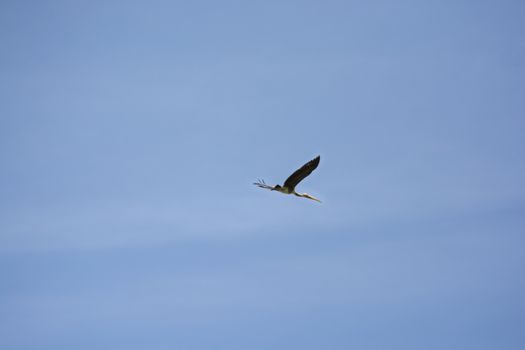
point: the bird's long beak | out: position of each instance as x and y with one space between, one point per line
311 197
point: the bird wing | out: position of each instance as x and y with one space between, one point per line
301 173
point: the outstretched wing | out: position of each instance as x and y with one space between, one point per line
301 173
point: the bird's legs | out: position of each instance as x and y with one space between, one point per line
263 184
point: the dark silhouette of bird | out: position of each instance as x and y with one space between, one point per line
289 185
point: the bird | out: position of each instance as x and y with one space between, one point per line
289 185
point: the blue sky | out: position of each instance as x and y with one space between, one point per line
131 131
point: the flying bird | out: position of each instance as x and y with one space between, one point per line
289 185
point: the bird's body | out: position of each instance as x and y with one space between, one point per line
282 189
292 181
